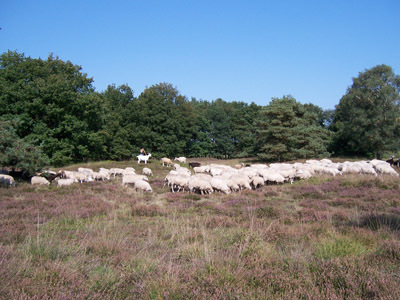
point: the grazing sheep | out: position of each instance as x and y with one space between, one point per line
67 174
203 169
132 179
216 171
143 185
39 180
128 172
257 181
100 176
85 170
166 161
302 174
271 176
232 185
7 180
116 171
103 170
144 158
249 172
65 182
183 171
147 172
180 181
386 169
242 181
181 159
82 177
199 184
220 184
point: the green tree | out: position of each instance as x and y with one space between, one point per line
164 121
218 113
366 121
290 131
17 153
244 131
118 105
200 144
54 105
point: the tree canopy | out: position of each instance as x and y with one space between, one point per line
366 121
290 130
51 114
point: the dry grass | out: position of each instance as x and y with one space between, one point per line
323 238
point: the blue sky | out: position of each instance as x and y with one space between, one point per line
249 51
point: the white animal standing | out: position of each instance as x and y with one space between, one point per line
144 158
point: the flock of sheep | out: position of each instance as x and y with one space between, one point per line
226 179
214 177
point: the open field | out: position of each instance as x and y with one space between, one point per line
321 238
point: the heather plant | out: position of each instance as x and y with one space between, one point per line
102 241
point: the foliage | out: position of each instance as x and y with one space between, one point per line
18 153
54 106
288 131
164 121
54 103
366 121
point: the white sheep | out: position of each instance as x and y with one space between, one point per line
220 184
232 185
85 170
67 174
100 176
103 170
39 180
128 172
116 171
166 161
249 172
199 184
181 159
386 169
183 170
65 182
257 181
143 185
271 176
7 180
144 158
180 181
132 179
216 171
82 177
201 169
242 181
302 174
147 172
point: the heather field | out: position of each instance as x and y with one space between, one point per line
321 238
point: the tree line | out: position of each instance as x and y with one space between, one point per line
50 114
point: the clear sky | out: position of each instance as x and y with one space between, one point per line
249 51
